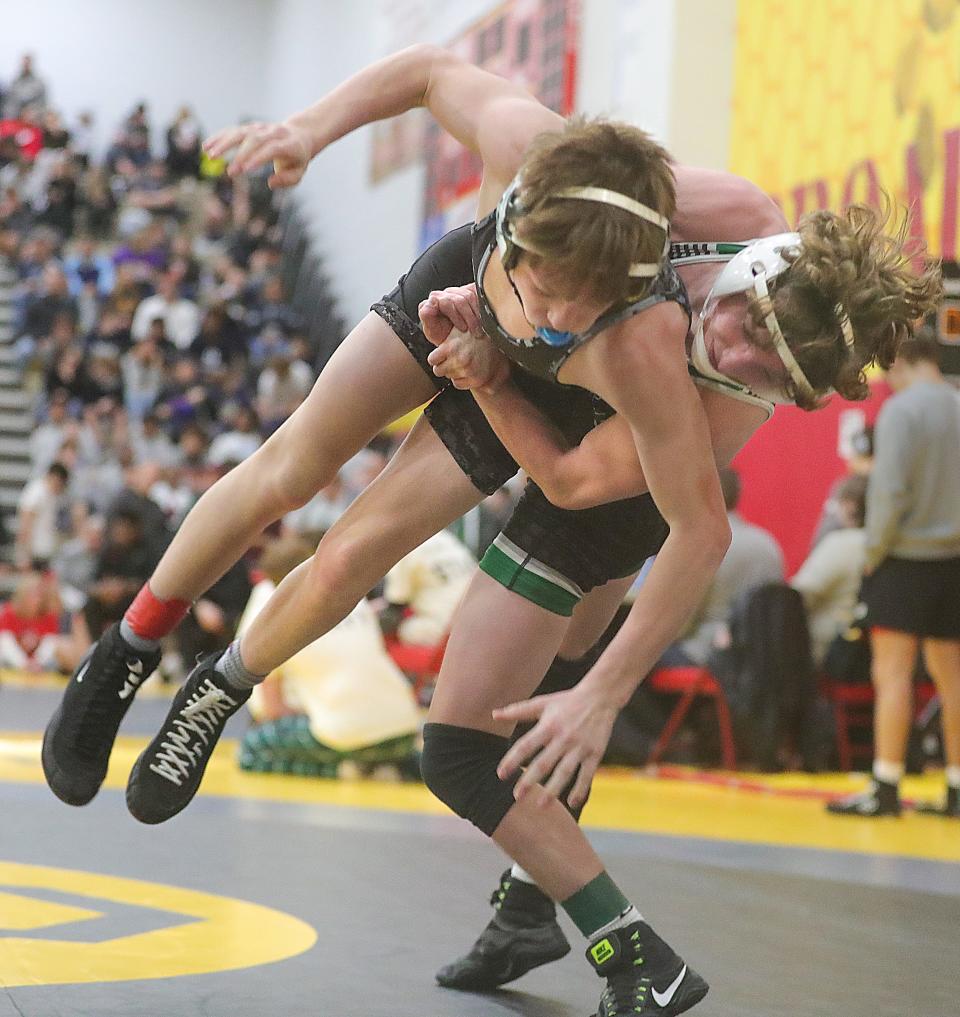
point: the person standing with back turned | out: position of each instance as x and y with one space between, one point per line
912 585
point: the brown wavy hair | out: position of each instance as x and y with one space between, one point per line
884 282
591 243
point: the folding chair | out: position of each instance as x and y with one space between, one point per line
688 683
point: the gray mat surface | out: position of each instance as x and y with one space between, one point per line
776 931
394 897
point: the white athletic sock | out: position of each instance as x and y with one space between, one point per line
627 917
520 873
889 773
953 776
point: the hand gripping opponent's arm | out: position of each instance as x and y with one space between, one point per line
464 354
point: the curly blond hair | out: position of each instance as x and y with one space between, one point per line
591 243
883 281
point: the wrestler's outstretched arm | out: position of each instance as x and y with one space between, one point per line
490 115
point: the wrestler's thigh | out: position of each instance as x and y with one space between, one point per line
369 382
592 616
500 647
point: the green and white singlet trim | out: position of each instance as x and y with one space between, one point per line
542 585
699 251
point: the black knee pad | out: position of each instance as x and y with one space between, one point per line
459 765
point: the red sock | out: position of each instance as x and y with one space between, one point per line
151 618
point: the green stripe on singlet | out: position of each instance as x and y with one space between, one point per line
530 579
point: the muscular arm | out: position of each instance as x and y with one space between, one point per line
648 384
478 108
488 114
604 467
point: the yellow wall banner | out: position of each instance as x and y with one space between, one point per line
836 100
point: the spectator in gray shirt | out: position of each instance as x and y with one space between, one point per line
912 589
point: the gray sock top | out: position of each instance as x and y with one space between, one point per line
231 666
134 641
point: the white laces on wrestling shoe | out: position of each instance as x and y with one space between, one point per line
200 718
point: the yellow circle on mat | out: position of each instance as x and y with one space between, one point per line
226 933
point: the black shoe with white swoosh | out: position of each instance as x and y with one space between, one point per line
80 735
645 978
168 773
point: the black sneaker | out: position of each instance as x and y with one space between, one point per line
949 807
168 773
80 735
880 799
645 978
522 935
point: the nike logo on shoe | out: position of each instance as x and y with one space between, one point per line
663 999
134 678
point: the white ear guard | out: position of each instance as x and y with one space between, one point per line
748 271
510 206
738 274
751 269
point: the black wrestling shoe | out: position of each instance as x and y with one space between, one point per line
645 978
80 735
949 807
522 935
880 799
168 773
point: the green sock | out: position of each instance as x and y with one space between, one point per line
595 905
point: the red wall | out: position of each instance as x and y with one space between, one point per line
789 465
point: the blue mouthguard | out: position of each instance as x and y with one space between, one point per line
554 338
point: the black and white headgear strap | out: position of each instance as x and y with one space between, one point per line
510 206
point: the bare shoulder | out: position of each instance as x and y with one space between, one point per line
656 336
716 205
513 121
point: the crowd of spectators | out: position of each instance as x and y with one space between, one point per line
154 334
152 330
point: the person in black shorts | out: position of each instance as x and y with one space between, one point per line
912 587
